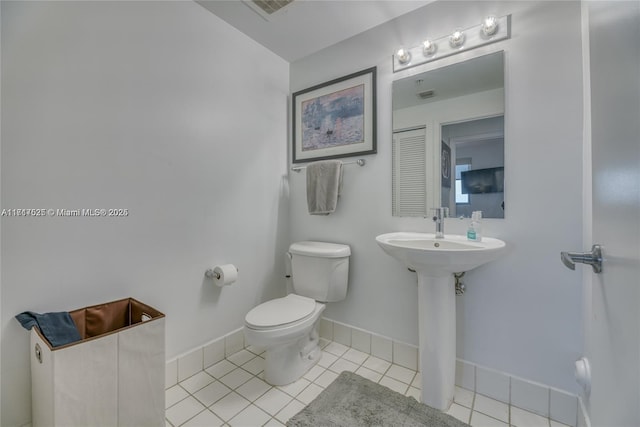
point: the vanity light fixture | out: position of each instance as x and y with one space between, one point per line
429 48
489 25
492 29
403 56
456 39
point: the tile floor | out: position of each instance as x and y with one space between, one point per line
233 393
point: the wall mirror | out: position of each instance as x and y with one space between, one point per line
448 139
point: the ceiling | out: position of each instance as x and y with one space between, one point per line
307 26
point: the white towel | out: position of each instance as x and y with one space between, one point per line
324 180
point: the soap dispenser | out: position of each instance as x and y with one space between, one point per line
474 232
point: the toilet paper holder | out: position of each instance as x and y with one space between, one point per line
210 274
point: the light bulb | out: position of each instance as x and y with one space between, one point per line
490 25
456 39
403 56
429 47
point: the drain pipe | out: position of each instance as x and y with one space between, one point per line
459 285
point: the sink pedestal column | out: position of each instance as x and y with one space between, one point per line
437 332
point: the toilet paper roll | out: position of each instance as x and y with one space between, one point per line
225 274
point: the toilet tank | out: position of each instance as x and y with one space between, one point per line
320 270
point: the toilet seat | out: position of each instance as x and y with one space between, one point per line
280 312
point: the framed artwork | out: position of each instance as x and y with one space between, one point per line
445 165
335 119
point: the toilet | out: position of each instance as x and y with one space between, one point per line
287 328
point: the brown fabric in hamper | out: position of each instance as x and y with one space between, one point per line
110 317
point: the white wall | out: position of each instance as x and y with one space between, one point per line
157 107
521 314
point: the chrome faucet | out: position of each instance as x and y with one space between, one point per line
441 213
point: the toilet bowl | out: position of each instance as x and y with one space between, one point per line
287 328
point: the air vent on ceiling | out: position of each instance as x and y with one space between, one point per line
426 94
271 6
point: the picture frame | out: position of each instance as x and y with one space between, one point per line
335 119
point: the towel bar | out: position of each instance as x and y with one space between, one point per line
359 162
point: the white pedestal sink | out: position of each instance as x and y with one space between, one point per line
435 261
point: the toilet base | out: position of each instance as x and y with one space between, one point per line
288 362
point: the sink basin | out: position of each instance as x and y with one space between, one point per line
439 257
435 261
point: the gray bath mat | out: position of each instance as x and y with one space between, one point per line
352 401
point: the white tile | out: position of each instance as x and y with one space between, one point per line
336 349
394 385
213 352
414 392
382 348
355 356
465 375
253 389
204 419
401 373
530 396
343 365
323 342
255 365
405 355
522 418
183 410
229 406
189 364
481 420
463 397
361 340
273 423
212 393
197 381
327 359
492 383
221 369
459 412
557 424
289 411
342 334
273 401
171 373
313 373
233 343
376 364
369 374
174 395
236 378
241 357
563 407
250 416
326 378
296 387
417 381
308 394
491 407
255 350
326 329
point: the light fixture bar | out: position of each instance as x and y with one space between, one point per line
491 30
